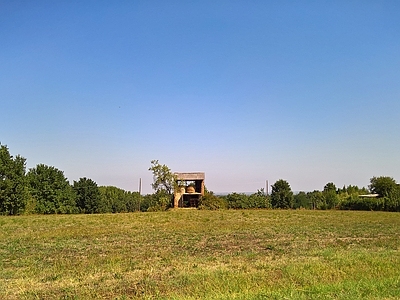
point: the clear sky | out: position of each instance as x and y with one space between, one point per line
245 91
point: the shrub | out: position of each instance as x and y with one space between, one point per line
212 202
237 201
357 203
259 200
158 201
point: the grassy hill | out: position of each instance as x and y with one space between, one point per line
191 254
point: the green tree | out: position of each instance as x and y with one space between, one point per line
211 201
133 201
13 192
392 203
51 190
352 190
159 201
384 186
116 200
316 199
349 199
237 201
354 202
162 201
259 200
113 200
282 195
301 200
330 187
163 178
331 198
387 188
87 195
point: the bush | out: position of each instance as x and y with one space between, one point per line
259 200
212 202
237 201
392 203
158 201
243 201
116 200
301 200
357 203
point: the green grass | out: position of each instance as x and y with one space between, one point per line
190 254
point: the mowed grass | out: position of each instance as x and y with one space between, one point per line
191 254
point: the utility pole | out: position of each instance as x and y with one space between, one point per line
140 192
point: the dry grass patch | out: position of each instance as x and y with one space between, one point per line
190 254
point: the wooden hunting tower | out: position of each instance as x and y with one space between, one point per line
191 188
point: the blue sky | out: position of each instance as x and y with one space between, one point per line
245 91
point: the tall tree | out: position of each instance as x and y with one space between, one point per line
87 195
316 199
282 195
13 192
51 190
163 178
330 195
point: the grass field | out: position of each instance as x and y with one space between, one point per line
191 254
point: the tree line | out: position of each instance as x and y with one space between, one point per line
383 194
45 190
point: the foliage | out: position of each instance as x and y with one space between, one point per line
330 187
316 199
387 188
352 190
212 202
163 178
159 201
259 200
13 192
149 200
87 195
116 200
45 190
355 202
133 200
301 200
237 200
392 203
331 199
282 195
383 186
243 201
51 190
